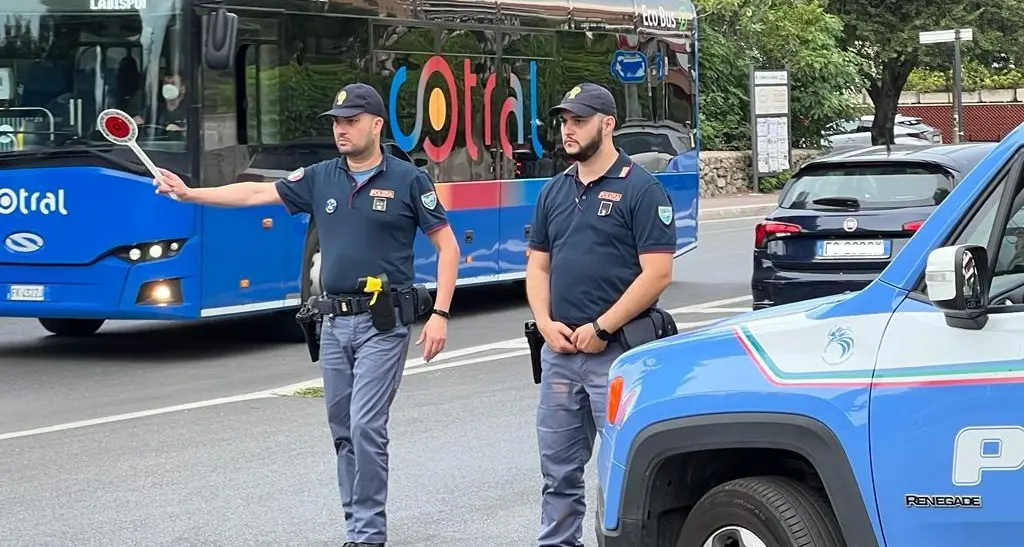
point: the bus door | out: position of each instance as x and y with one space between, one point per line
243 247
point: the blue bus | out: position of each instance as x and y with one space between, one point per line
227 91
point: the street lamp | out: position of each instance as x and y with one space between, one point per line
955 36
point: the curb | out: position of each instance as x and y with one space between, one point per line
759 209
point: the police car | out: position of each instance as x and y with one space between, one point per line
891 416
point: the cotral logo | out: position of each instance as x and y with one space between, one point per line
24 242
25 202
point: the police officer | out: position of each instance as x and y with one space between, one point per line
367 206
601 252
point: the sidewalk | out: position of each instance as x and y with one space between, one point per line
745 205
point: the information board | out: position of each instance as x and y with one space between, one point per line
770 147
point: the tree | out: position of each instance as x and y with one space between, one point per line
998 42
884 34
772 34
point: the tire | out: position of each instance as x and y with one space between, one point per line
72 327
761 512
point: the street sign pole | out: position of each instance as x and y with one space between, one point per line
958 92
956 36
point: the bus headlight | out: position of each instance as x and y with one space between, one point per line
153 250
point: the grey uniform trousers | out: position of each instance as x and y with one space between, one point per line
362 368
573 395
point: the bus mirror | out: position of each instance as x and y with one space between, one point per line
220 31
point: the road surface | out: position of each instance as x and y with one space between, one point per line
158 435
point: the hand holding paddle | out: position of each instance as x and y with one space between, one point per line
119 128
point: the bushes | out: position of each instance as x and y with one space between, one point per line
975 78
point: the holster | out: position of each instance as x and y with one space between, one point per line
309 320
382 310
654 324
414 304
536 342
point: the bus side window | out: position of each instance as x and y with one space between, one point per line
263 94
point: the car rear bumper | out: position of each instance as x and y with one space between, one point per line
771 287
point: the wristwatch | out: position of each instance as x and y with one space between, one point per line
602 334
442 313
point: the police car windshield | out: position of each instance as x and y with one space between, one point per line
867 187
62 62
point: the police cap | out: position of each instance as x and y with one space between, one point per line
586 100
354 99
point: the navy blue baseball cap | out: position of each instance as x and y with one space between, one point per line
586 100
355 99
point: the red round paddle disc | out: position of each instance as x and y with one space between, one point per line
117 127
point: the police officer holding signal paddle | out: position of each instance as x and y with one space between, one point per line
367 206
601 249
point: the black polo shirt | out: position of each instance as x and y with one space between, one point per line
365 229
595 234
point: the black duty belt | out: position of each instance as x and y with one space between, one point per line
345 304
349 304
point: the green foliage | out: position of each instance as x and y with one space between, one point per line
885 35
772 33
975 78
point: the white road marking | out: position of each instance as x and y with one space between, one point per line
720 310
133 415
732 219
413 366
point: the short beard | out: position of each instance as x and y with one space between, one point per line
587 149
358 151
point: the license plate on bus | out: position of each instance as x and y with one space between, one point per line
27 293
855 248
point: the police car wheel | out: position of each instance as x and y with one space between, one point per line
761 512
72 327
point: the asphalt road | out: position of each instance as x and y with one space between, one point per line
258 469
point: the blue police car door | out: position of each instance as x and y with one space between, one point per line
947 403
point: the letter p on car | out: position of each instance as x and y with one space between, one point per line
995 448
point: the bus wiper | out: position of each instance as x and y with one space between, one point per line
133 166
838 201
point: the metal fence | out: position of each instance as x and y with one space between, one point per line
985 122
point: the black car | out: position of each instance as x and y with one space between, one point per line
842 217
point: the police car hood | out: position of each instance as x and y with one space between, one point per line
796 308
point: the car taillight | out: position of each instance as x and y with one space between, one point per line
768 227
913 226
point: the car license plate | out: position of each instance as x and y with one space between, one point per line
27 293
853 248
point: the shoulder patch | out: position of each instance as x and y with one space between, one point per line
429 200
296 175
665 214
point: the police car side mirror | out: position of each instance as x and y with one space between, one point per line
958 281
220 33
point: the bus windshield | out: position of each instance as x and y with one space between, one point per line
62 62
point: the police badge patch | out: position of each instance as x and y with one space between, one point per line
330 206
296 175
429 200
665 214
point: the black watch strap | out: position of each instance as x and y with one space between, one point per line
602 334
442 313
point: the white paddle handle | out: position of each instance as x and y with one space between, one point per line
149 164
